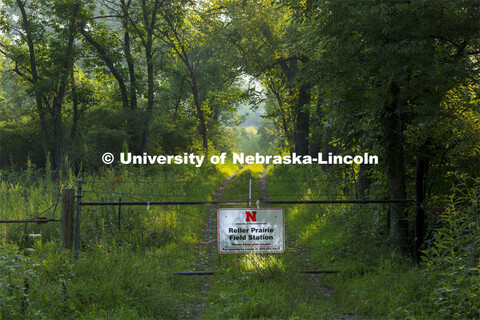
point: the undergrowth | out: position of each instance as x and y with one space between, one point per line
117 276
374 281
126 271
260 285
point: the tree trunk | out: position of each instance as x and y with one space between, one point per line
301 113
131 72
198 106
56 108
57 105
283 125
363 182
111 66
419 238
36 90
76 115
150 25
395 166
58 151
315 143
150 97
178 46
132 131
128 57
302 121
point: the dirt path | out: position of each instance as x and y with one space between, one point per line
262 185
208 247
206 260
316 278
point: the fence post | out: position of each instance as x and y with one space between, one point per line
119 210
77 225
250 194
68 202
419 210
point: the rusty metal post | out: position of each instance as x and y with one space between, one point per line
77 225
250 194
119 210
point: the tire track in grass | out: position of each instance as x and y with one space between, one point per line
212 291
316 278
262 185
208 247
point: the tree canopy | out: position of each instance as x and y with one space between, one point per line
397 78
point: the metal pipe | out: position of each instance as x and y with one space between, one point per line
250 194
30 220
119 210
195 273
169 203
210 273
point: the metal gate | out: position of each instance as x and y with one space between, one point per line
181 233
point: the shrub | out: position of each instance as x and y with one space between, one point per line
453 262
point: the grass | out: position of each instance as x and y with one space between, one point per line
373 282
261 286
119 275
264 286
99 285
128 272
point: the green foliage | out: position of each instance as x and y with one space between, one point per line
23 131
265 38
96 286
117 275
453 260
261 286
17 270
80 78
126 278
373 283
247 140
263 267
238 187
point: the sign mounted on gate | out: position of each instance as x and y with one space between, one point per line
247 230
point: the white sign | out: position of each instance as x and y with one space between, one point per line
246 230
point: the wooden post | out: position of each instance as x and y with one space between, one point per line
68 201
420 211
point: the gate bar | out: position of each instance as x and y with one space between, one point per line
195 273
211 273
167 203
30 220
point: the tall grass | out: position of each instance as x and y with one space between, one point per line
260 285
374 282
116 276
126 272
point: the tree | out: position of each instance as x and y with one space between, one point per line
191 37
46 62
266 36
393 62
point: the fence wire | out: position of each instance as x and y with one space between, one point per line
184 237
43 225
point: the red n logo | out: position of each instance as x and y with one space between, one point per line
251 216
